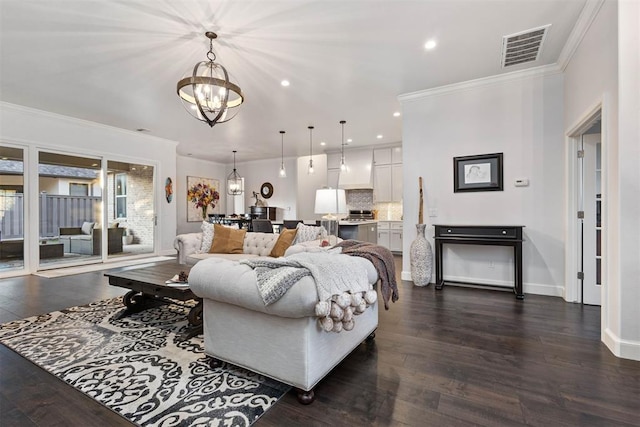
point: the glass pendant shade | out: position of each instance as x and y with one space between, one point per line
207 92
283 171
235 183
310 169
343 165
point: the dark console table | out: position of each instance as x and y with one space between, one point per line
496 235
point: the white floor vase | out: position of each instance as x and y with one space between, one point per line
421 257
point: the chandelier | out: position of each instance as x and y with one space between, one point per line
235 183
207 93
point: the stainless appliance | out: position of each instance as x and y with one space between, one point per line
359 215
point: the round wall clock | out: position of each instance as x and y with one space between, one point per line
266 190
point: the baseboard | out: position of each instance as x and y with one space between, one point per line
529 288
624 349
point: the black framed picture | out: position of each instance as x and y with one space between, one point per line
477 173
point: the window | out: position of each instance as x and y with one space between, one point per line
121 195
78 189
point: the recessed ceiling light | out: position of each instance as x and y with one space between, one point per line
94 164
396 114
323 143
349 140
5 158
430 44
285 83
379 136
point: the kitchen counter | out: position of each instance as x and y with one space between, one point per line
365 222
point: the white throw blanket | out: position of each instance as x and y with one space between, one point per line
341 282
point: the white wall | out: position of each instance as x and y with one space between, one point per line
33 129
604 69
256 173
189 166
520 117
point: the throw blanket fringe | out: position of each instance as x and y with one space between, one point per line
382 260
342 286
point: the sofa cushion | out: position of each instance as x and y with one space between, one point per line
80 237
234 283
87 227
282 244
207 236
309 232
227 240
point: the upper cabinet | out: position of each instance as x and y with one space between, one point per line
387 174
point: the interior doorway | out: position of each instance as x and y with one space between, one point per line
586 211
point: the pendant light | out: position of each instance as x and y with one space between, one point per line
283 172
235 184
310 170
343 165
207 92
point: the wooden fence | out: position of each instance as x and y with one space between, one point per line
55 211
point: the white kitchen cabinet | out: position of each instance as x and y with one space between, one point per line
332 178
384 233
390 235
382 183
396 155
395 237
382 156
396 183
387 174
333 160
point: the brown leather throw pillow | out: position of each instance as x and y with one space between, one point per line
284 241
227 240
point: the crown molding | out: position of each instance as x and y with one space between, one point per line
544 70
586 18
6 106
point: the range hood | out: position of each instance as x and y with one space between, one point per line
359 173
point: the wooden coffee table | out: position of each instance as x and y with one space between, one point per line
148 289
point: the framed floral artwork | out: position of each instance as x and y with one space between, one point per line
203 198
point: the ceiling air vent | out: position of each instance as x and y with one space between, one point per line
523 47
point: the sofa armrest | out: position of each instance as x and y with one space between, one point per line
187 244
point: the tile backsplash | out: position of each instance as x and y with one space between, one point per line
389 211
363 199
359 199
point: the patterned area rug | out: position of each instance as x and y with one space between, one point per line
135 366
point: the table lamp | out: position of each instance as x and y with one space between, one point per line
330 201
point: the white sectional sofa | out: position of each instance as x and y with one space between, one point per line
284 340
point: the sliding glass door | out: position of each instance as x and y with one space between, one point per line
12 210
69 209
130 208
83 209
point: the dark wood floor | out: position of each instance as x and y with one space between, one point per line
456 357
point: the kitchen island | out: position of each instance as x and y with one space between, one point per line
365 230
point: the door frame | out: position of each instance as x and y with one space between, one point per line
572 250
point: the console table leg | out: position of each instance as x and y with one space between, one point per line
518 271
439 278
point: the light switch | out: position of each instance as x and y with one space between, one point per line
522 182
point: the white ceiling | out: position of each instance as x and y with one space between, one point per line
117 62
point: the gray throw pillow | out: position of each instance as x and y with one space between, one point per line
87 227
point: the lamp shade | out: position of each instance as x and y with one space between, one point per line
330 201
